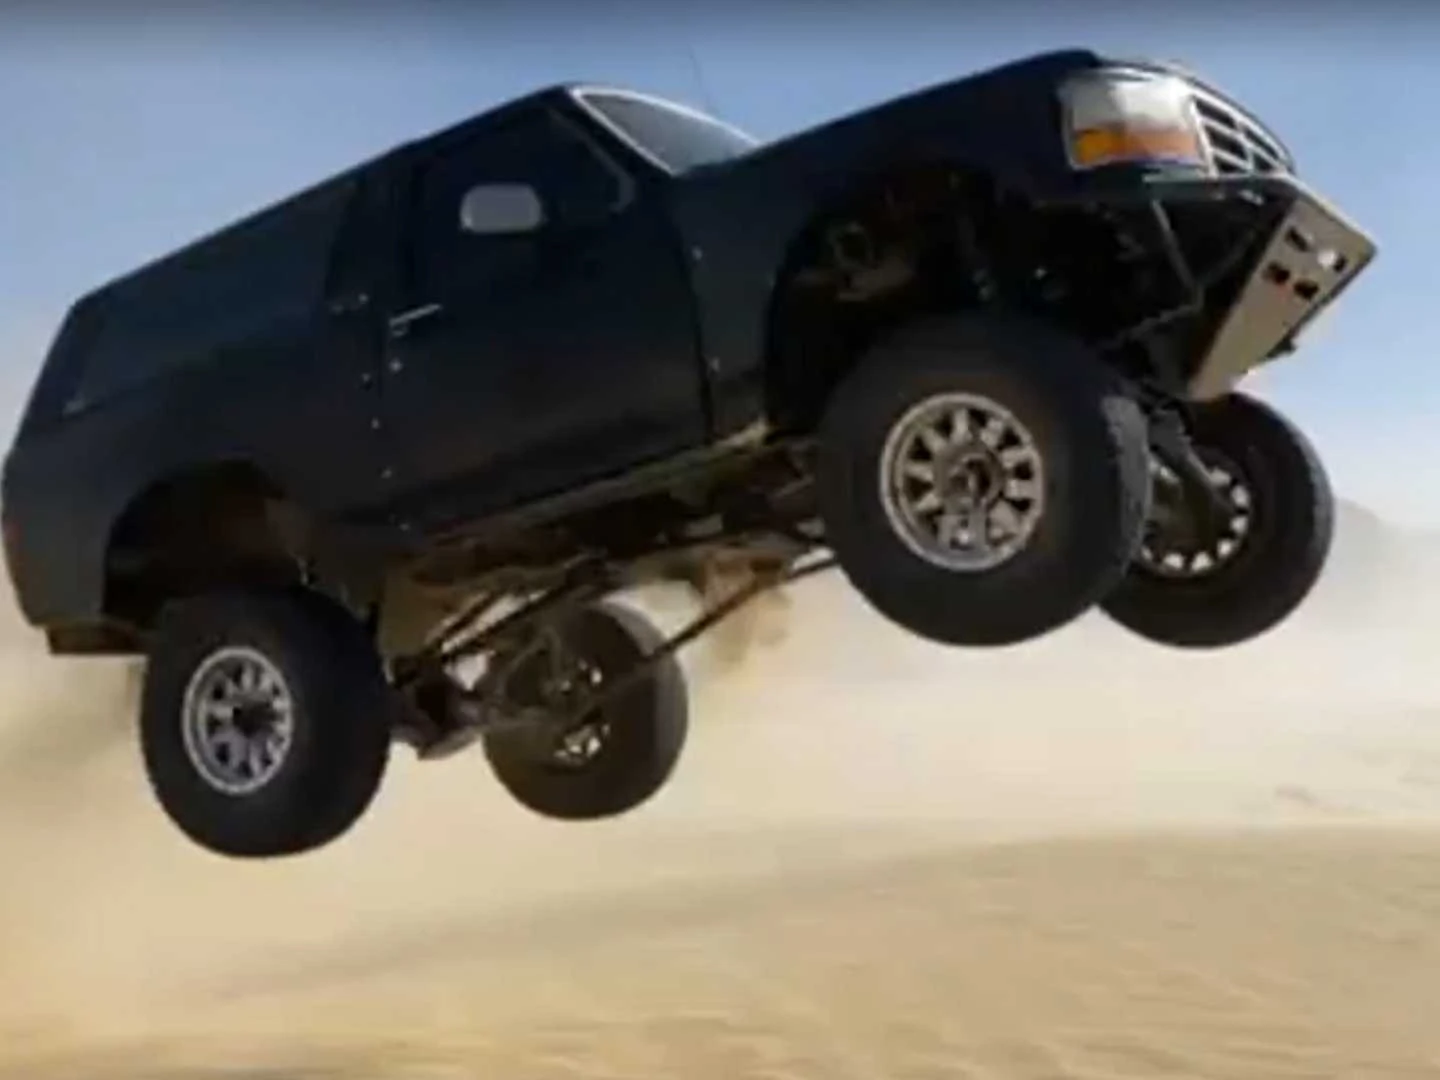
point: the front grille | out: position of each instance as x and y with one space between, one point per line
1237 146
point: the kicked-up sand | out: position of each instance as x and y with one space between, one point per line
1084 858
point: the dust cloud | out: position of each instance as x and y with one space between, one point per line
1085 857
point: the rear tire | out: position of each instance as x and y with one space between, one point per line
615 758
265 721
1058 464
1205 596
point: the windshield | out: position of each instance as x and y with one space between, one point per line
678 138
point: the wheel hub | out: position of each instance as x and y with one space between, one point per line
971 477
255 718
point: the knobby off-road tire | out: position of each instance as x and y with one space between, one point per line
641 732
283 665
1275 546
1062 429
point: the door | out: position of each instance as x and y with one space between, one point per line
530 361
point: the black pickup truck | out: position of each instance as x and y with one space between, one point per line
370 466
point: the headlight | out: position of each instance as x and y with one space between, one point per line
1123 117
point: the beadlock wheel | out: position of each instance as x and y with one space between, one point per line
613 758
265 720
1190 589
983 480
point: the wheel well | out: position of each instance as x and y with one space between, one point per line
220 524
940 237
897 245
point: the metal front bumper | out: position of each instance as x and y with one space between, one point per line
1312 254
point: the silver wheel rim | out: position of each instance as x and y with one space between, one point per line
962 482
1190 562
238 720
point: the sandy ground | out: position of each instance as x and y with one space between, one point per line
1082 858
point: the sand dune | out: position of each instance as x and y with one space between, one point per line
1083 858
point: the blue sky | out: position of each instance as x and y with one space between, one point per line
129 129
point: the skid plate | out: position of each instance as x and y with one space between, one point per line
1312 255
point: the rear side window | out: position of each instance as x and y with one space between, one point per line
262 278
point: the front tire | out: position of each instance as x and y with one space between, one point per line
1196 592
983 480
613 759
265 721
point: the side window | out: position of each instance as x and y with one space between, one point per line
577 187
265 276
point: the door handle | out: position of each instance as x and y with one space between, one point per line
400 324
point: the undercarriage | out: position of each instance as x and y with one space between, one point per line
458 687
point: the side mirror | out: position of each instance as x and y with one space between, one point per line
501 209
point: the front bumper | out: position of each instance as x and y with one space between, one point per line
1311 254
